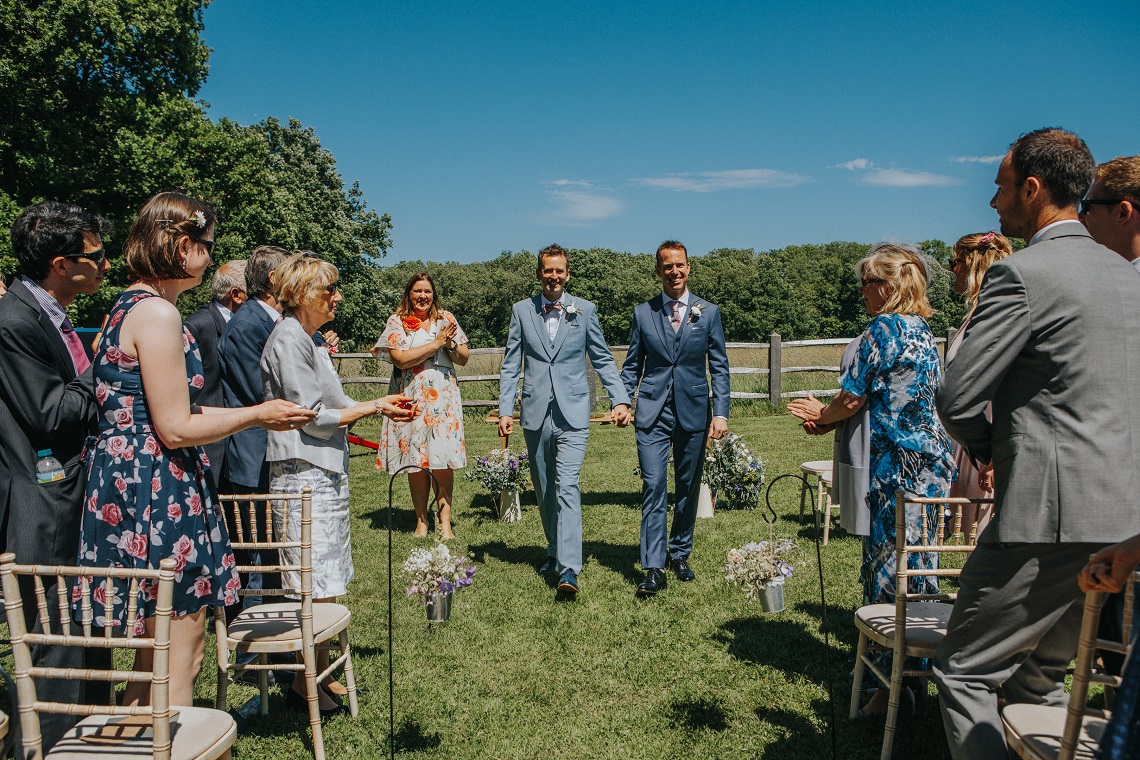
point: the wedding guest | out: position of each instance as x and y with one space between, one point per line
550 338
425 343
972 256
227 293
315 453
895 375
1049 345
148 496
1110 209
47 401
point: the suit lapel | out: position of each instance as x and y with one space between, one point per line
51 334
219 320
665 328
687 323
563 326
539 326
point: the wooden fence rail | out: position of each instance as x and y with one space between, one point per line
774 347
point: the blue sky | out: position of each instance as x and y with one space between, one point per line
483 127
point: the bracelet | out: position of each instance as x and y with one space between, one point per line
449 349
376 405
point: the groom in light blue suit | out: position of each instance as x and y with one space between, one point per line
549 339
674 336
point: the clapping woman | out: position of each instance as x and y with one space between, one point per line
149 496
425 344
314 454
895 374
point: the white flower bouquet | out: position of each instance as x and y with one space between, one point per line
733 472
757 565
435 571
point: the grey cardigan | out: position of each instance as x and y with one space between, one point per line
295 369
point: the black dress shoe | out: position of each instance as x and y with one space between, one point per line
682 569
654 581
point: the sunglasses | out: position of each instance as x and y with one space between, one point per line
95 257
872 281
208 243
1086 203
332 287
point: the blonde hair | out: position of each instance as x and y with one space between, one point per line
151 249
299 279
904 272
1121 177
979 250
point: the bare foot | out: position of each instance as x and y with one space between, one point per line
421 530
447 535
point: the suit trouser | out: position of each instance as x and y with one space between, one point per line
653 445
1015 626
75 690
556 455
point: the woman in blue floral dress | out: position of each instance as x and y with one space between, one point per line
149 493
895 374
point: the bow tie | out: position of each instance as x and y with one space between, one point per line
549 307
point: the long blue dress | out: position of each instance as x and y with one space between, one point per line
897 369
145 502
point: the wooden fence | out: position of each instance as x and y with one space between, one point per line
774 347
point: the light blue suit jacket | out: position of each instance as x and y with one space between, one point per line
555 374
673 364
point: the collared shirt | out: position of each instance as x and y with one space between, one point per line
51 308
273 313
553 317
1041 231
684 299
226 313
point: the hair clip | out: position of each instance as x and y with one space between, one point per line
987 238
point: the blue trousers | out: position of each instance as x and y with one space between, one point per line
556 452
653 446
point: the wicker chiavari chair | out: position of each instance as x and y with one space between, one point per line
916 623
156 730
286 626
1044 732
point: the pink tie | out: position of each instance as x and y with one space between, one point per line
675 320
74 347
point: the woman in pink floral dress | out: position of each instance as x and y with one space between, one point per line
425 344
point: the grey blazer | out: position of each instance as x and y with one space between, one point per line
1054 345
294 369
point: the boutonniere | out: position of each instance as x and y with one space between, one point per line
694 312
571 309
411 323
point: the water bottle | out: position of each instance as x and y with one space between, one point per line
48 468
243 714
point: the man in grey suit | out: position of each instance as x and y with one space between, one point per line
674 336
549 339
1052 344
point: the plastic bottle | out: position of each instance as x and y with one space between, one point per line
248 710
48 468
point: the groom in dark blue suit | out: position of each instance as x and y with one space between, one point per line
674 336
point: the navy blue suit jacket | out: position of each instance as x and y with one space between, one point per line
239 356
668 364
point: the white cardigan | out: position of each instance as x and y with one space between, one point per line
295 369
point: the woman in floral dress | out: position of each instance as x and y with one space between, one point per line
896 374
149 494
425 344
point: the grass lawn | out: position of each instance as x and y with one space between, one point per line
697 672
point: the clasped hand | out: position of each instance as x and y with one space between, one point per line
280 414
397 407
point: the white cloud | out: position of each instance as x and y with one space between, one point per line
873 174
976 159
570 183
576 203
733 179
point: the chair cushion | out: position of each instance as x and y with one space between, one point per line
925 625
276 624
1038 728
815 468
197 732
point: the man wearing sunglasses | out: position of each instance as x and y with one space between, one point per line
47 401
1110 209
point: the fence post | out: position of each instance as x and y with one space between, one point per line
774 365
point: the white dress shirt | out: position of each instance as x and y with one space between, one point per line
553 318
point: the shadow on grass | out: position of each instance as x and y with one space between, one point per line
698 714
623 559
513 555
411 737
801 737
782 645
403 520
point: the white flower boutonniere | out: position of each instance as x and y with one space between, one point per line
200 217
695 312
571 309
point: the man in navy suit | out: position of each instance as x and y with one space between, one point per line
674 335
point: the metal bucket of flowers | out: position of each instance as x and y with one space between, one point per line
733 473
435 575
504 474
760 568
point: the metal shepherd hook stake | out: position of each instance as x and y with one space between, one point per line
391 672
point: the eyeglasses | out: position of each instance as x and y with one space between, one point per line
954 263
208 243
96 257
1087 202
872 281
332 287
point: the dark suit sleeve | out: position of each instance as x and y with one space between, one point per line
634 364
718 367
511 367
240 358
996 335
35 393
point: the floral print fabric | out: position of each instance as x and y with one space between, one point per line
434 439
145 502
332 547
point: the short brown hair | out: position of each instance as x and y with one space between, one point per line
406 309
905 272
151 249
1121 177
1059 159
671 245
554 250
980 249
299 278
263 260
